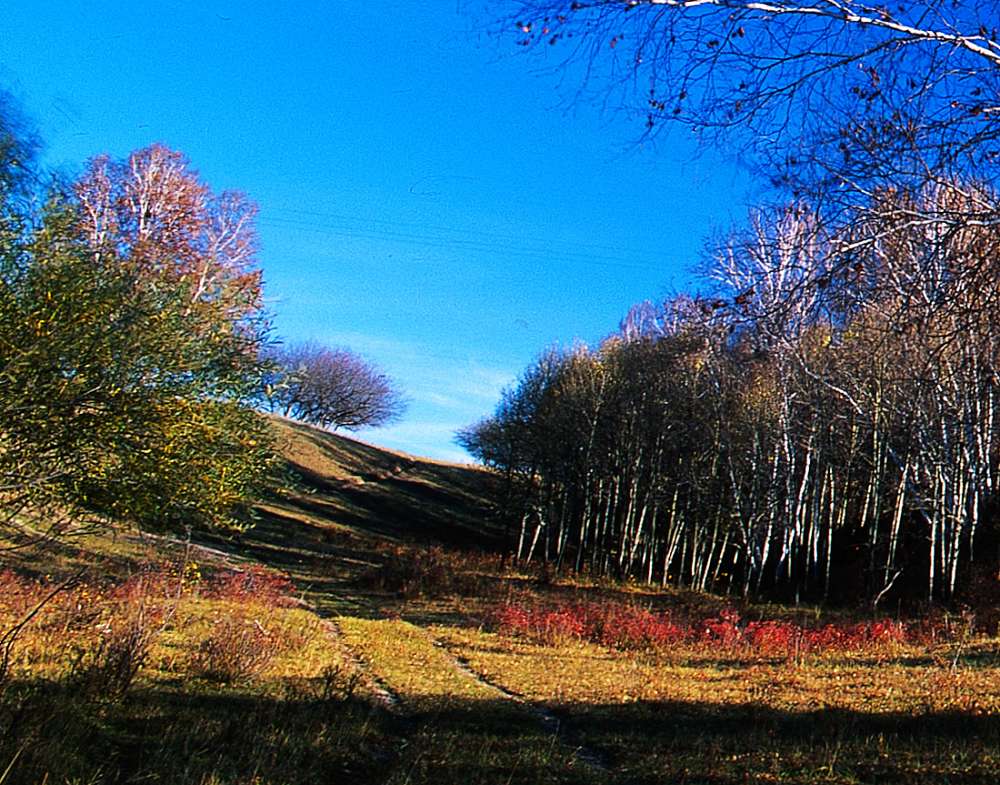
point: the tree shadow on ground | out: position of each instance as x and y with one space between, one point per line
664 741
226 737
292 734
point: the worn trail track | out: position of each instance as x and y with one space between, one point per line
549 721
552 724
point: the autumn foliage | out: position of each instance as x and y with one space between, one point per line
162 223
131 331
819 421
107 628
812 430
632 627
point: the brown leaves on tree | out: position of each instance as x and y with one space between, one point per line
154 213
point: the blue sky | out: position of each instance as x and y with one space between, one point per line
429 196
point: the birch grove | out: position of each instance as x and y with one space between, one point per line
822 426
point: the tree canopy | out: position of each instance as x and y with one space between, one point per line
865 91
331 388
131 330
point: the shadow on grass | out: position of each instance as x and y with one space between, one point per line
59 735
397 507
386 493
657 742
342 498
222 736
226 737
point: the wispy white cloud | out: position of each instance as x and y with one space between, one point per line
428 439
445 393
482 383
437 399
369 343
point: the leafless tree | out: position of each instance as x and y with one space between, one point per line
785 71
837 102
332 388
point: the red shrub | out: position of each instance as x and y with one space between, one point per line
774 638
562 624
630 627
253 584
544 625
723 631
613 625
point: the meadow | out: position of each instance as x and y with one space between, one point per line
368 630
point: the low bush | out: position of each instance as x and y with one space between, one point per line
410 571
614 625
100 634
631 627
237 649
127 617
121 650
254 584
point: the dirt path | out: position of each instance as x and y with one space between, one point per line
380 671
383 695
549 721
453 677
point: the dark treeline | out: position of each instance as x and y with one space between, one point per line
824 426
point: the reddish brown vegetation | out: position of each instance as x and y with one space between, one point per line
624 626
410 571
106 629
253 584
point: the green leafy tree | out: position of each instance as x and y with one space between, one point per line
128 365
111 404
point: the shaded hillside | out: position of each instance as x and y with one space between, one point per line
341 501
338 504
364 490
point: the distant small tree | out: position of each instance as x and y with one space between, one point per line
331 388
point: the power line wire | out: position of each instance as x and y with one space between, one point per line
551 252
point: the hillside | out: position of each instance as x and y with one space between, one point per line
342 501
357 489
337 501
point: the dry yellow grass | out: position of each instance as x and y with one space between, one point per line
308 713
405 659
580 673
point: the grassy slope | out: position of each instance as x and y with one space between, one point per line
368 491
344 500
318 711
908 715
340 499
